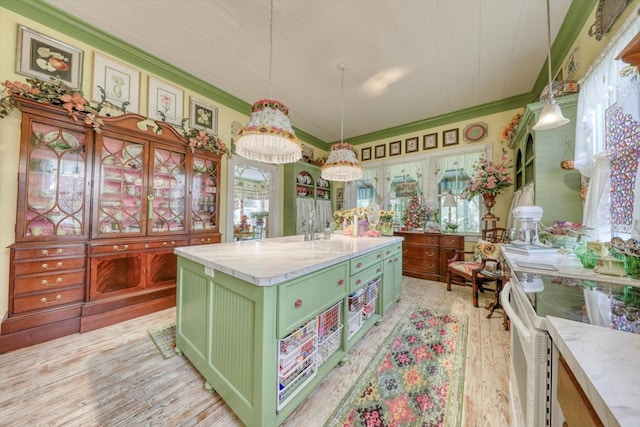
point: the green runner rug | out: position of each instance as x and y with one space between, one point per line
415 379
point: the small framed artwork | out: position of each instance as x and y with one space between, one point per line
165 101
381 151
121 83
430 141
449 137
411 145
204 116
365 153
45 58
395 148
339 194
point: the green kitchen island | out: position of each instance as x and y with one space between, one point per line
264 321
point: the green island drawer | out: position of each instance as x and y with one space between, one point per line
363 262
303 298
392 249
360 279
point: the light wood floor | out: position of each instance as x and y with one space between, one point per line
114 376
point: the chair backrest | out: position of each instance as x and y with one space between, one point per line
495 235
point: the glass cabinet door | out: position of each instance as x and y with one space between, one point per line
55 196
166 199
120 197
204 194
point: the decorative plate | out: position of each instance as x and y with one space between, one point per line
475 132
67 141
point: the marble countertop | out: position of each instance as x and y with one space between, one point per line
606 363
268 262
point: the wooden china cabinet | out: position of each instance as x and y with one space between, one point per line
99 215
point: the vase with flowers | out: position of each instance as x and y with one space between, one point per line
563 234
385 226
489 180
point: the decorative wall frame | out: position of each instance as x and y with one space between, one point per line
120 82
339 193
450 137
475 132
165 99
44 58
204 116
395 148
411 145
365 153
430 141
381 151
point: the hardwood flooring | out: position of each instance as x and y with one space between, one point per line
115 376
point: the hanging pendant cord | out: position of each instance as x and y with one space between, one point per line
342 105
549 50
270 45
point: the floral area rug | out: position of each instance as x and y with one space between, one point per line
415 379
164 338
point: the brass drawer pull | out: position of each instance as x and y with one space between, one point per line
45 301
208 239
117 248
169 244
46 266
45 282
429 254
45 252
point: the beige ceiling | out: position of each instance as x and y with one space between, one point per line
424 57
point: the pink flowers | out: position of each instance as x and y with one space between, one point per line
489 178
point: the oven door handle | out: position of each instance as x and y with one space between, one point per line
515 320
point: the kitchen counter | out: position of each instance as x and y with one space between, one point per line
268 262
606 363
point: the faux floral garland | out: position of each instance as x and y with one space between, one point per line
510 129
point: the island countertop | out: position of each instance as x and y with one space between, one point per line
268 262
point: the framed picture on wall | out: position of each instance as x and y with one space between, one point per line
450 137
166 102
381 151
339 194
395 148
411 145
44 58
120 83
203 116
366 153
430 141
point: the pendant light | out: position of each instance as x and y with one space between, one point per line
342 164
551 116
269 136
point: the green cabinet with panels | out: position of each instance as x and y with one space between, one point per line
537 160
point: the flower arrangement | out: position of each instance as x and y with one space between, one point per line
489 177
203 140
387 216
565 228
415 214
510 129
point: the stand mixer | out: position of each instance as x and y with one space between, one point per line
528 217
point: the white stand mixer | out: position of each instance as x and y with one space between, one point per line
529 218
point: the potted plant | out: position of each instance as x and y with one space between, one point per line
563 234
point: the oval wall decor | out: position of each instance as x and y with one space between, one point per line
475 132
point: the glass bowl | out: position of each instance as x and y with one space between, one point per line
588 258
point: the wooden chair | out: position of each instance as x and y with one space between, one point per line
461 271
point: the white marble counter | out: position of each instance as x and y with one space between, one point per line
268 262
606 363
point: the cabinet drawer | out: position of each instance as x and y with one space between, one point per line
424 238
306 297
49 265
419 264
54 251
364 261
360 279
393 249
49 282
415 251
169 243
452 241
114 248
47 300
205 240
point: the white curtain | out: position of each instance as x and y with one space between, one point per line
522 197
304 208
323 216
608 82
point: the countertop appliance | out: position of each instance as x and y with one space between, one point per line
559 287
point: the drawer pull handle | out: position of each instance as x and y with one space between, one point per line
358 281
378 270
117 248
358 265
146 246
168 244
208 239
45 282
46 266
45 301
378 256
396 259
340 282
429 253
298 303
45 252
